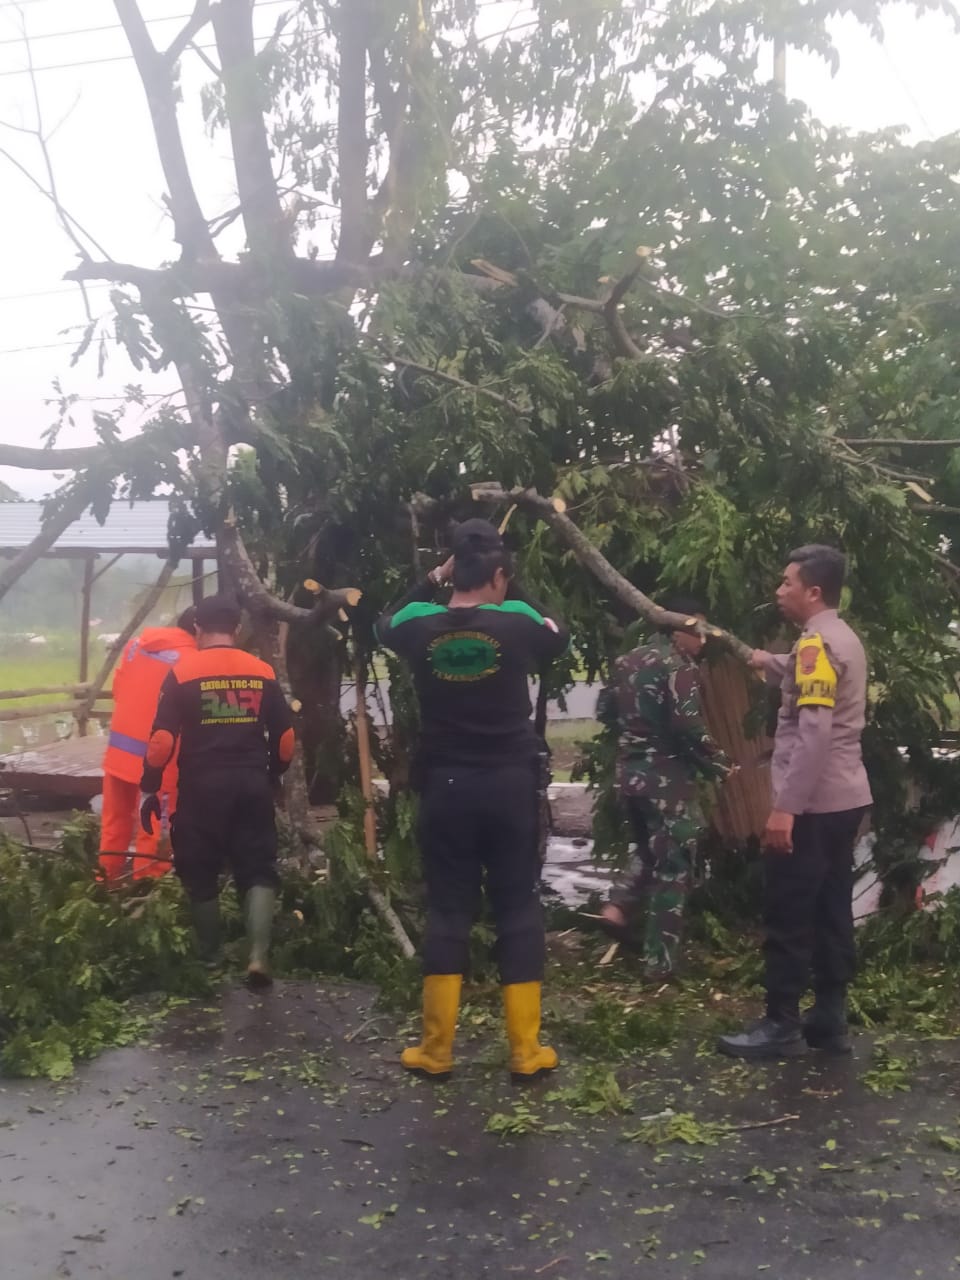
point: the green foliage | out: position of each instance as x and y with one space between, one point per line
596 1093
682 1127
784 288
608 1030
888 1075
71 954
517 1122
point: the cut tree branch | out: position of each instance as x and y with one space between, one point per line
623 343
259 599
552 513
894 443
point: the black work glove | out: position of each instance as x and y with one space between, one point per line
149 810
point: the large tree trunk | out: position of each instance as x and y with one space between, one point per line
315 660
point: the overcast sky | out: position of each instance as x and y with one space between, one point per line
110 181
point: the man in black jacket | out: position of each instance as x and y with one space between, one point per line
471 661
235 731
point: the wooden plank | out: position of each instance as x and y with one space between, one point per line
41 709
70 768
75 690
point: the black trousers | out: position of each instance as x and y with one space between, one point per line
224 821
480 824
808 910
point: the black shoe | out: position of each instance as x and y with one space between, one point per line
829 1033
769 1038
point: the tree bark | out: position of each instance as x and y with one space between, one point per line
190 226
256 596
315 671
593 559
267 233
352 141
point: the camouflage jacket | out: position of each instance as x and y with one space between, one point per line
654 704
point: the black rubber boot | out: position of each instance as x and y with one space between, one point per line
258 909
825 1023
769 1038
206 924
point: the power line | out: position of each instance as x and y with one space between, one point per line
126 57
50 293
42 346
908 91
115 26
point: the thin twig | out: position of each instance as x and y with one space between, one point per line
550 1265
462 383
889 442
760 1124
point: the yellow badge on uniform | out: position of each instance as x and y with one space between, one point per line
816 678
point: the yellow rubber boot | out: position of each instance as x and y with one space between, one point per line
441 1000
528 1057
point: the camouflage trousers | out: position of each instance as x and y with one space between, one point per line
655 894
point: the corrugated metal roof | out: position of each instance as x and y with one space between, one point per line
130 526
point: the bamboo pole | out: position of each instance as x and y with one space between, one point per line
31 713
366 763
365 758
75 690
86 595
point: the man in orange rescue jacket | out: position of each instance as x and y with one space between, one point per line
235 730
146 662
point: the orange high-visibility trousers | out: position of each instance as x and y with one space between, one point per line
121 817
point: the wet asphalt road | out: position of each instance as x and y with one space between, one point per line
263 1138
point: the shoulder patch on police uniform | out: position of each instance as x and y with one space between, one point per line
815 675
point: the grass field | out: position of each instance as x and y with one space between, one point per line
32 669
562 738
57 664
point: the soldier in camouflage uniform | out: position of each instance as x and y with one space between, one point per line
663 749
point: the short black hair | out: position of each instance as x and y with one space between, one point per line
478 552
220 613
679 602
823 567
188 620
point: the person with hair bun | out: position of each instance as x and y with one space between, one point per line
471 659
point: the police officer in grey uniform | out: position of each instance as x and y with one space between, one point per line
820 796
